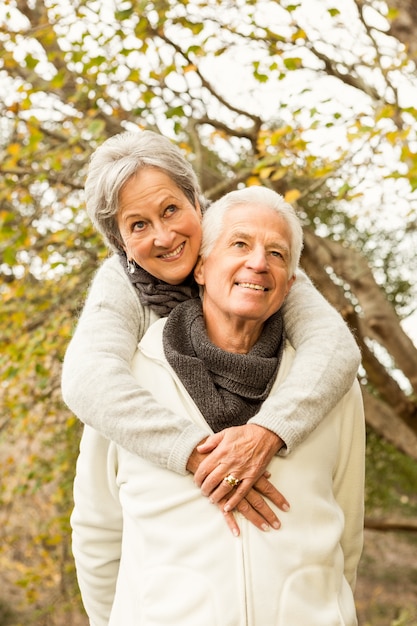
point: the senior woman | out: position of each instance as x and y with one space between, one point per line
145 532
144 198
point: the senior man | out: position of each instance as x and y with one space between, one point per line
149 550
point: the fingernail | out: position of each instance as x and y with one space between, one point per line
227 508
265 527
285 507
276 525
235 532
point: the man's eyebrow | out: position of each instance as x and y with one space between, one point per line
239 233
279 245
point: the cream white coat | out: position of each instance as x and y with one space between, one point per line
150 550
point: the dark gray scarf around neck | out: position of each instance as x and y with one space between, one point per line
156 294
228 388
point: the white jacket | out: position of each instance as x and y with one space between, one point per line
151 550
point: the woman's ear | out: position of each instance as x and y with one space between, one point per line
199 271
198 208
118 243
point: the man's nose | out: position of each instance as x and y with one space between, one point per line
257 259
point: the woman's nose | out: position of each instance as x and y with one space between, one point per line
163 236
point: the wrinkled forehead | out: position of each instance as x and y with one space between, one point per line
259 219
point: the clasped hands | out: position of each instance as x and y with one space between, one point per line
241 452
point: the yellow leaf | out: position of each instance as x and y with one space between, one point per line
292 195
266 172
279 173
14 148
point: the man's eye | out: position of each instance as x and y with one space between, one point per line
276 253
239 244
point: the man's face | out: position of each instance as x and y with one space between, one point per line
246 275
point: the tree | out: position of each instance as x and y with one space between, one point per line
244 88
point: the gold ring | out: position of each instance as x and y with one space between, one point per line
232 481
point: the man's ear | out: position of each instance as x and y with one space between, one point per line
290 284
199 271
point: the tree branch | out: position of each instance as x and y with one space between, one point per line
391 523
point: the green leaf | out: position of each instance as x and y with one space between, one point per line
293 63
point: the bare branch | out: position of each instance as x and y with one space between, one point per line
256 120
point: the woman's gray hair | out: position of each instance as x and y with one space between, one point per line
254 197
116 161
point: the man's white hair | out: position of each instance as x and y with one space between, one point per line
254 197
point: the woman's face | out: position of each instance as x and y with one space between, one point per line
160 228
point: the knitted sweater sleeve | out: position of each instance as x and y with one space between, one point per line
324 369
98 385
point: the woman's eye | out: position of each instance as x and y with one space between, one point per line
138 226
239 244
276 253
170 210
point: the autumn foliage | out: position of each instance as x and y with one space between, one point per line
317 104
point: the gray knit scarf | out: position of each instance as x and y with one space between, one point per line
156 294
228 388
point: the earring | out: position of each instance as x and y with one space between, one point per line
130 266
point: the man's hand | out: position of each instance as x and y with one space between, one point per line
254 507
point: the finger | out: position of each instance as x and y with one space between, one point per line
224 489
207 466
265 488
237 494
268 490
263 509
215 485
230 520
210 443
258 519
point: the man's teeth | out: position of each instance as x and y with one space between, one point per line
174 252
252 286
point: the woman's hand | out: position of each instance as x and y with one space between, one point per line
251 504
242 452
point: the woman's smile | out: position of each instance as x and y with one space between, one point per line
175 253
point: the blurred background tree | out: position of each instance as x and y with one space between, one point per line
314 99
